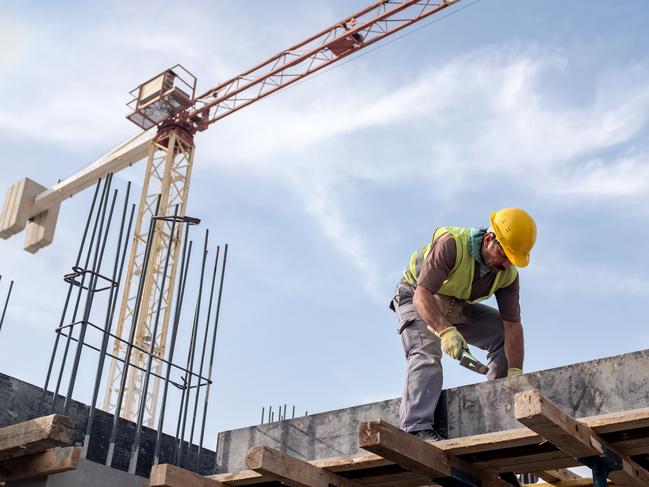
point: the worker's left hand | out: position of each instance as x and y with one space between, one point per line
517 381
514 372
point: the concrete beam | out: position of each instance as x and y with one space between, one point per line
585 389
87 473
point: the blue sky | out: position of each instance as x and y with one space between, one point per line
324 190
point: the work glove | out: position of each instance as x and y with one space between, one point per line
453 343
514 372
517 381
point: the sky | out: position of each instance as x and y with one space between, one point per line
323 190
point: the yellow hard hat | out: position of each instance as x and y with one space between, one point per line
516 232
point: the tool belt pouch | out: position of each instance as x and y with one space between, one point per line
453 309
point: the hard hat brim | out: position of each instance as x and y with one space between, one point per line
517 260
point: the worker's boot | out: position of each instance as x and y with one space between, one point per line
427 435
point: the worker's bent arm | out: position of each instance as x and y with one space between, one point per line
428 310
514 344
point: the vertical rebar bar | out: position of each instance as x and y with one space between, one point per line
191 352
205 337
147 375
209 376
180 294
102 202
129 345
118 268
96 270
262 416
66 303
4 309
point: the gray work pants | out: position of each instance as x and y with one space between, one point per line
424 355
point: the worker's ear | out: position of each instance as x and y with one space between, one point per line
489 239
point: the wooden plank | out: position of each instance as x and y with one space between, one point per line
572 436
568 483
245 477
166 475
484 451
417 455
35 435
292 471
515 438
49 462
557 475
610 423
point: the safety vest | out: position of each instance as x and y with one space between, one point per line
459 281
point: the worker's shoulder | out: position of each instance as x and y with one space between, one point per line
445 245
445 236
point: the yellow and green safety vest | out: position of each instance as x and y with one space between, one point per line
460 279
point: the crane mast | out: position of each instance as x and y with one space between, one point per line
168 173
168 102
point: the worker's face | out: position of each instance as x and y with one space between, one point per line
493 254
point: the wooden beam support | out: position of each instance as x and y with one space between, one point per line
35 436
166 475
419 456
292 471
49 462
557 475
482 450
573 437
583 482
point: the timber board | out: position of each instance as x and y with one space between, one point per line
519 450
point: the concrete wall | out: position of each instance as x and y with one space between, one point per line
19 402
88 474
585 389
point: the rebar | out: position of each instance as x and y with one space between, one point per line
4 309
129 346
205 337
191 354
67 302
209 374
184 269
102 202
120 257
77 329
92 289
145 386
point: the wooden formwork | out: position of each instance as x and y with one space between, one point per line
37 448
614 445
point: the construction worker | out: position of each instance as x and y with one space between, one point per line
436 305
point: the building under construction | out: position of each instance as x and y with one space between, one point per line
144 296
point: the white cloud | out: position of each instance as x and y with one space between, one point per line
17 38
563 276
486 114
627 177
321 202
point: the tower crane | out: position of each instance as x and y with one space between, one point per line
170 112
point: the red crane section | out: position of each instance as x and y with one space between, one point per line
352 34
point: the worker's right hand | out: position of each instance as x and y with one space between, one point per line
453 343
